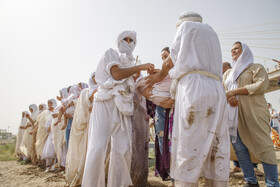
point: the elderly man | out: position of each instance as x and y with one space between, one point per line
111 116
226 66
200 140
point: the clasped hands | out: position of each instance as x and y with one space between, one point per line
231 98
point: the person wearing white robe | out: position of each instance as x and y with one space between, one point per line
58 135
26 145
33 133
77 149
48 151
21 130
42 134
111 115
200 139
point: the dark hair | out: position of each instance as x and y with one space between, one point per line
68 89
166 49
227 64
238 42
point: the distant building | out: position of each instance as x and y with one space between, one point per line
4 134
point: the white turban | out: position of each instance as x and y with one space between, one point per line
188 16
123 46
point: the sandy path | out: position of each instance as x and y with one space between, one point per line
14 174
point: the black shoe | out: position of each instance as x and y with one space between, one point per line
251 185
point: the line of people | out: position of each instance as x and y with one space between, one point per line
198 113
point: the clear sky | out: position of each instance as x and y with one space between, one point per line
51 44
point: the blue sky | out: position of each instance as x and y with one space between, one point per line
48 45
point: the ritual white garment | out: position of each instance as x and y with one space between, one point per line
48 151
77 149
200 139
26 145
20 133
41 132
111 117
58 137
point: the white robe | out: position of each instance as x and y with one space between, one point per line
20 135
48 151
26 145
77 148
111 117
59 142
41 132
200 139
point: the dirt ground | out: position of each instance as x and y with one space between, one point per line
13 174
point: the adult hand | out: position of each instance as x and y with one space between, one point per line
230 94
168 103
233 101
153 78
147 67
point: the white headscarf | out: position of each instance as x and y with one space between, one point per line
245 59
23 119
123 46
64 93
92 85
189 16
53 102
84 85
35 111
44 107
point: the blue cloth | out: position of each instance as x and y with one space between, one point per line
68 130
242 154
159 125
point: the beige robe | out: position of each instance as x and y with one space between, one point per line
77 149
41 132
253 116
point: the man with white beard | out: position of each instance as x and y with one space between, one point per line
111 116
200 138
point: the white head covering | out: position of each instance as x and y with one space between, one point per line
188 16
246 58
123 46
92 85
44 107
196 46
75 91
35 111
64 93
34 107
53 102
84 85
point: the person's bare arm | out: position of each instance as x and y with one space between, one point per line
30 119
159 76
121 73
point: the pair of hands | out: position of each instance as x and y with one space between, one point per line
231 98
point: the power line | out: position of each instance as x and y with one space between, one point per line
249 26
249 33
252 38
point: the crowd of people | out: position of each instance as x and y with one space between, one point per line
200 107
